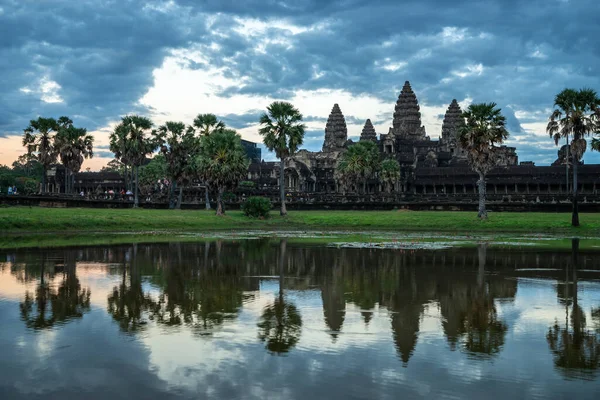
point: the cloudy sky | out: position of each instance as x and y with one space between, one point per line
97 60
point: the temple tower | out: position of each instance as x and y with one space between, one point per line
368 132
453 120
407 116
336 132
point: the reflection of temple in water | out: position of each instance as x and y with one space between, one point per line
203 286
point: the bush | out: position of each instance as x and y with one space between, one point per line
247 184
257 207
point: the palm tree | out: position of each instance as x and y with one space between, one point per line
38 137
133 141
222 162
283 133
576 115
179 147
479 137
73 145
117 146
389 173
358 163
207 124
280 325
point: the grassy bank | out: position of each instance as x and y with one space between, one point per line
20 220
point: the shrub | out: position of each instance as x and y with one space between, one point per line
247 184
257 207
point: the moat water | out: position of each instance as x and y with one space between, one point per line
258 319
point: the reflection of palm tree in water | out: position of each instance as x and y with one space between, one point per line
470 314
576 350
127 302
484 332
200 297
67 302
280 325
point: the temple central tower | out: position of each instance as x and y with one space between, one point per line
407 116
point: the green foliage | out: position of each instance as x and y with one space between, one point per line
208 123
38 138
282 129
222 162
389 172
257 207
484 130
149 175
229 196
73 146
30 186
179 147
358 163
131 141
247 184
576 115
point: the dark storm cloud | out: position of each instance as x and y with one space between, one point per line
102 53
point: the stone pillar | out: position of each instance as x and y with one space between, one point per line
516 188
454 188
505 189
495 189
527 187
464 189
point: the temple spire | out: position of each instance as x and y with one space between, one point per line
336 132
407 115
453 120
368 132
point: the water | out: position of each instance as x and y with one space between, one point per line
262 319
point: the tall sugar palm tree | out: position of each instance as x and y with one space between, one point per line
207 124
283 132
222 162
179 146
134 133
73 146
117 146
38 138
483 131
575 114
358 163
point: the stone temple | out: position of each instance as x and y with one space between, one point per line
429 168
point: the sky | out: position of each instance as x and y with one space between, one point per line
98 60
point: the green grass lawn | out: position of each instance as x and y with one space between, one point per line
76 220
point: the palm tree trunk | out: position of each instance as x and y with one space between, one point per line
171 195
179 198
482 214
126 179
44 180
575 216
567 163
206 198
283 211
282 251
135 197
220 210
67 189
